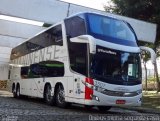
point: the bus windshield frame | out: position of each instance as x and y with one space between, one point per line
115 67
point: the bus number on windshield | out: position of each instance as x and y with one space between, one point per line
99 84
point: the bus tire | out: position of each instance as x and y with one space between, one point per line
14 94
49 99
18 94
104 108
60 97
14 91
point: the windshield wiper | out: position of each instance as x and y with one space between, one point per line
101 76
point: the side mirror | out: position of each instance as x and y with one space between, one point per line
86 39
151 51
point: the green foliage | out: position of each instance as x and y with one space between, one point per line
151 80
151 100
141 9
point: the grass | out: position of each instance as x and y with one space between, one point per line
151 99
150 103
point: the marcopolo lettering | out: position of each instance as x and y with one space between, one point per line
107 51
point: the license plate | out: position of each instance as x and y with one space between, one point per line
120 102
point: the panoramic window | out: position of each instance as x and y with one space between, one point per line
50 37
105 26
53 36
75 27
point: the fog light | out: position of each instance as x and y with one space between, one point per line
95 98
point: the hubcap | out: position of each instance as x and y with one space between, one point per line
61 98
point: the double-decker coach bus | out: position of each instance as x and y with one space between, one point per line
88 59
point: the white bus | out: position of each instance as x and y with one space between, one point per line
88 59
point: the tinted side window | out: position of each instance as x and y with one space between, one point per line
24 72
78 57
75 26
52 68
46 69
53 36
35 71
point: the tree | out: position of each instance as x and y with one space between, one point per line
147 10
145 58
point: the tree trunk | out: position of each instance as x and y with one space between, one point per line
155 82
157 78
145 69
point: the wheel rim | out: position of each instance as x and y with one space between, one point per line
61 98
18 92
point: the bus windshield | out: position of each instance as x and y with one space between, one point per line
116 67
110 29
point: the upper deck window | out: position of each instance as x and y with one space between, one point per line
52 36
113 30
75 26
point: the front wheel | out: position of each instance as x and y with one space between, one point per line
104 108
60 97
14 92
18 94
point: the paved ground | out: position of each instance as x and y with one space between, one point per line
12 109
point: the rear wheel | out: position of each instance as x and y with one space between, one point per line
60 97
49 99
104 108
14 91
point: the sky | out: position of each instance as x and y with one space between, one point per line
96 4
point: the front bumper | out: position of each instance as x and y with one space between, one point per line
100 99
